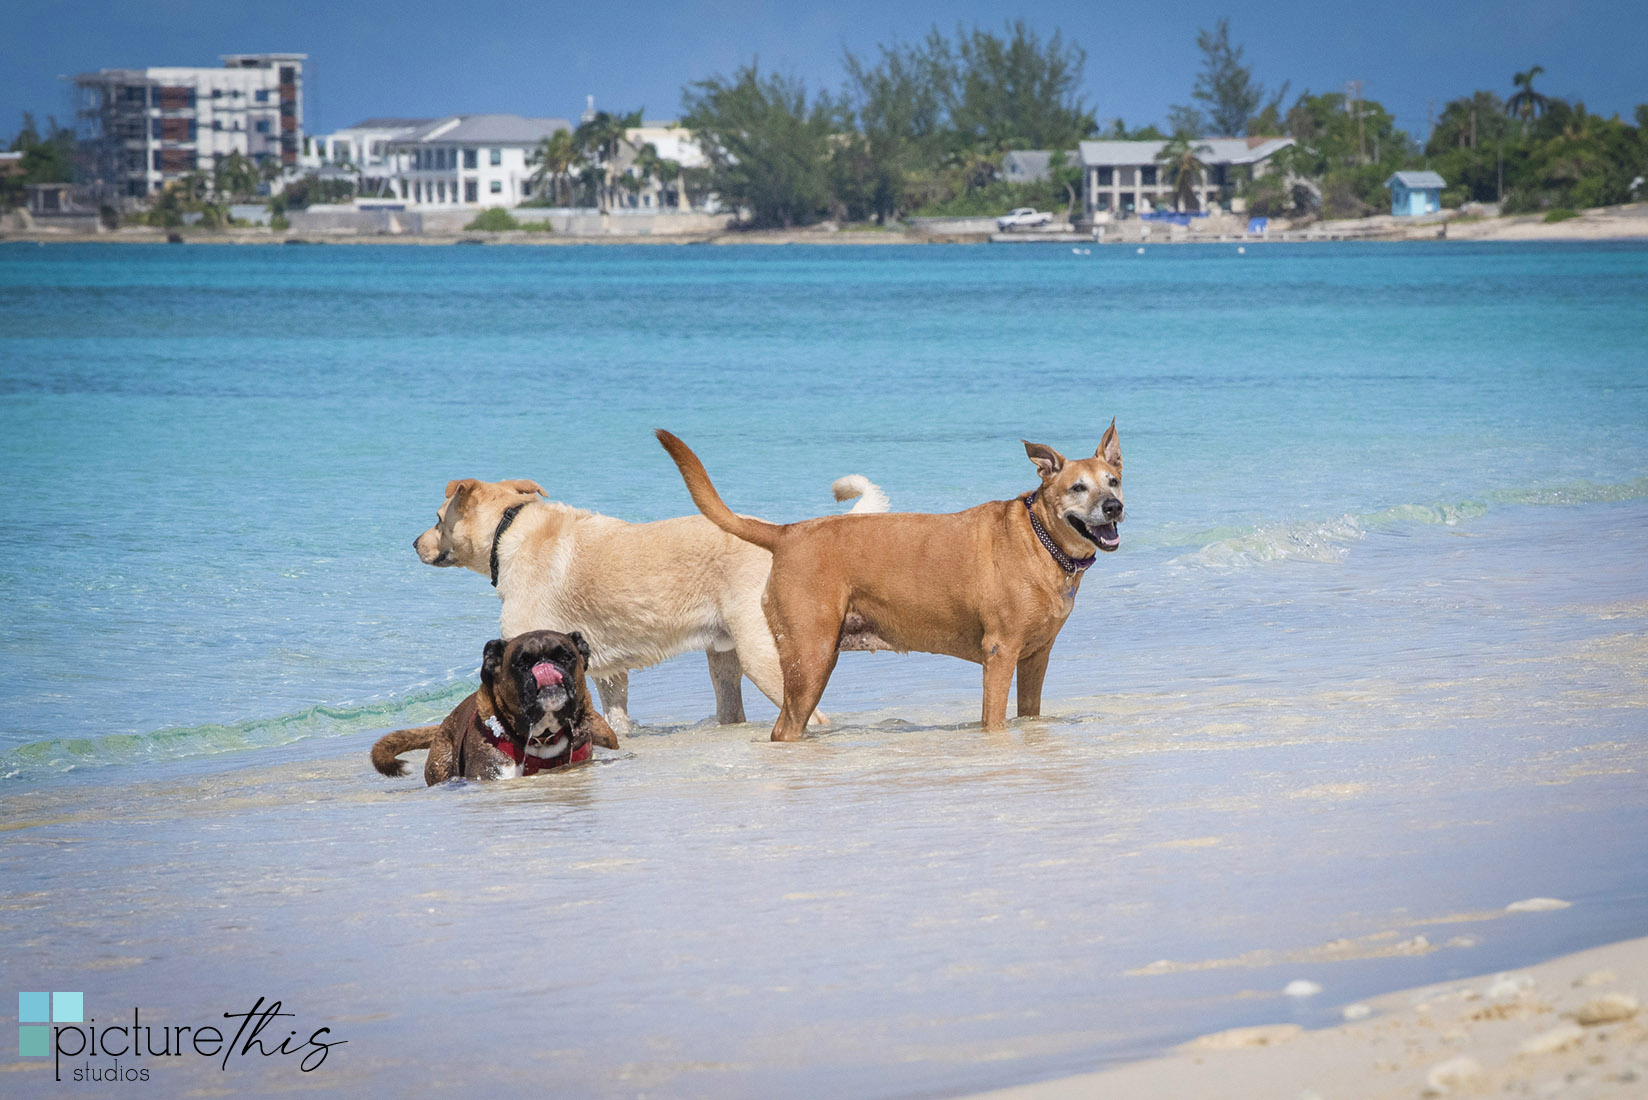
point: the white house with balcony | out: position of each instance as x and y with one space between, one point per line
467 160
361 153
1124 178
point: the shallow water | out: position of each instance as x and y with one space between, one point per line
1369 666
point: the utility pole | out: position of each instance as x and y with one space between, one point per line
1353 88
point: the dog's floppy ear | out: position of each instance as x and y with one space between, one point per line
1110 448
492 662
524 485
454 487
580 645
1048 461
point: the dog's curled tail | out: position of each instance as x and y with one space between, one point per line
389 747
870 497
759 532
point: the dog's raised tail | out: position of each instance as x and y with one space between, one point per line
386 753
709 502
869 494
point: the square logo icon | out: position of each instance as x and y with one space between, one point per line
68 1008
34 1008
33 1041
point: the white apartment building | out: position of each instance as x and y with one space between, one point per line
468 160
140 129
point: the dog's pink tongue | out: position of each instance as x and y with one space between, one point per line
546 674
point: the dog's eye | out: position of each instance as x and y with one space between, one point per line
1079 487
1115 481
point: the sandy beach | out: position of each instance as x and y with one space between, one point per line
1569 1027
1628 222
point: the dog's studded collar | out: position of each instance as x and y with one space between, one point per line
503 525
1067 563
530 763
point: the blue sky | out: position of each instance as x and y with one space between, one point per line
421 57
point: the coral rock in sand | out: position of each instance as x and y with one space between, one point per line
1608 1009
1455 1073
1549 1042
1243 1037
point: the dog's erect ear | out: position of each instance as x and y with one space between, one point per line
524 485
1048 461
1110 448
454 487
492 662
580 645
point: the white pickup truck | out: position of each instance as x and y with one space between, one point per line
1023 217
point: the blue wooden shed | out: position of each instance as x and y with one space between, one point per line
1415 193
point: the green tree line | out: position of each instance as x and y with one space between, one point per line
921 128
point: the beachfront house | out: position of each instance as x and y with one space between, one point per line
1124 178
672 143
467 160
361 154
1415 193
1031 165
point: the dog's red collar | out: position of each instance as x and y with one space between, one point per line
529 764
1070 565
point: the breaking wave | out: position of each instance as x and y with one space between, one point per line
60 755
1329 541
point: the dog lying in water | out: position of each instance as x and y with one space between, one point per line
531 713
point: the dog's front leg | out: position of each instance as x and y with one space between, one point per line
727 677
614 691
1032 671
999 660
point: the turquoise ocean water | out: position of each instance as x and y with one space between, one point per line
1368 667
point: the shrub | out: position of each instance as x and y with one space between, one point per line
493 220
1560 214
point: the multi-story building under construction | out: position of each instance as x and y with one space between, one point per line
140 129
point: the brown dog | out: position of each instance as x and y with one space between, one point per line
531 713
993 584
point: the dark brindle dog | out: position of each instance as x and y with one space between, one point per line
531 713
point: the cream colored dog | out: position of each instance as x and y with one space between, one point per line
639 593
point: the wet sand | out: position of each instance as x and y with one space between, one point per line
1570 1027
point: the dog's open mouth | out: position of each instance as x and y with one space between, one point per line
1105 536
551 681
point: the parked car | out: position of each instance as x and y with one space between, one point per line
1023 217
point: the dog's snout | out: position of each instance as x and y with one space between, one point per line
1112 508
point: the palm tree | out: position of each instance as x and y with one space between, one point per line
234 176
556 157
1526 104
1182 157
600 140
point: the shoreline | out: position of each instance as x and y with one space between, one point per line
1568 1026
1614 223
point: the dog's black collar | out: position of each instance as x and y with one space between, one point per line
1067 563
503 525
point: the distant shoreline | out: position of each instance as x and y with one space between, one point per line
1614 223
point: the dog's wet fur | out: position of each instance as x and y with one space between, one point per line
533 686
978 584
